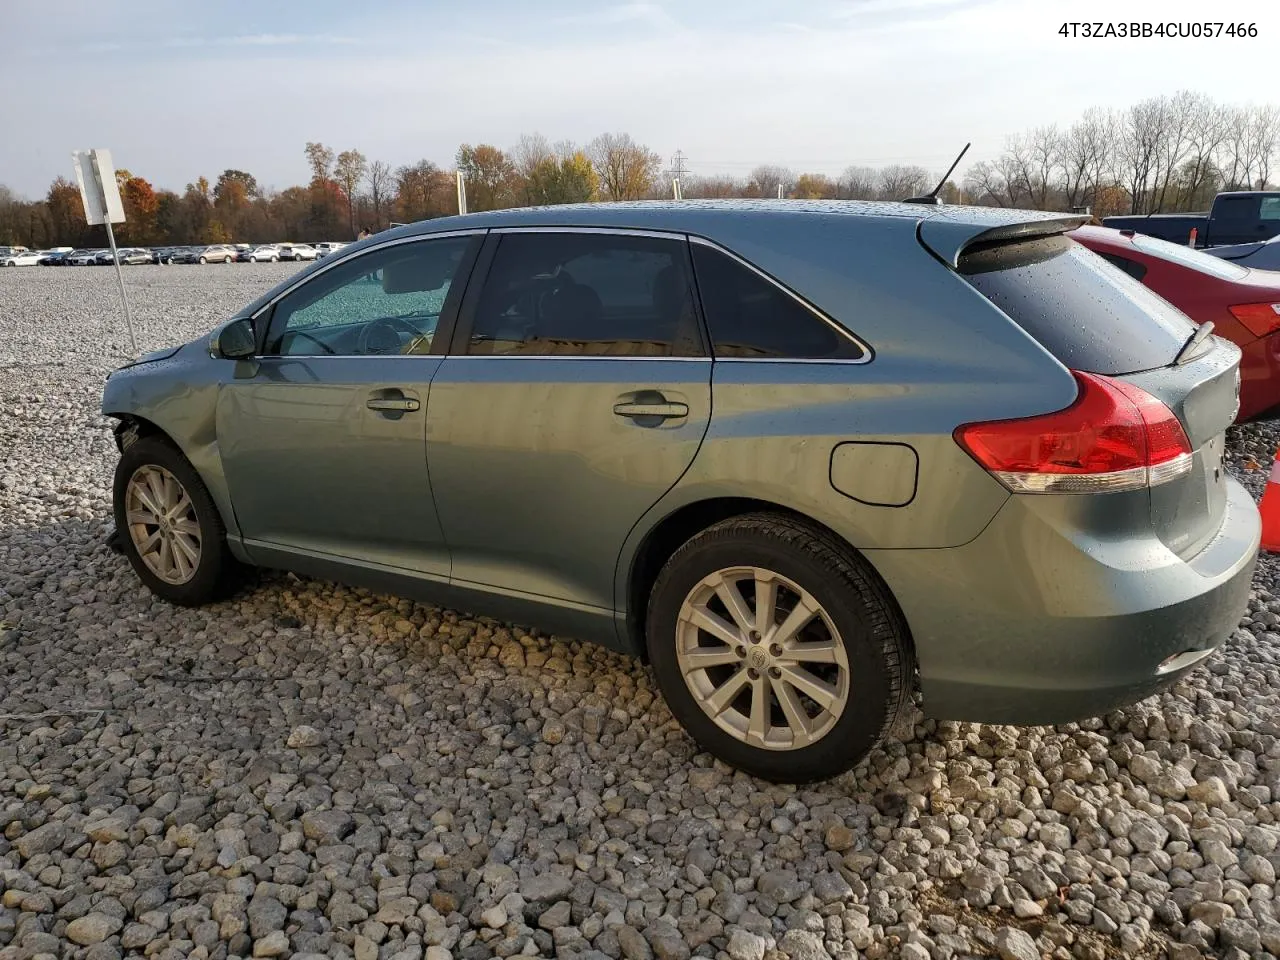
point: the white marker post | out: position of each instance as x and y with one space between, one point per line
100 195
462 193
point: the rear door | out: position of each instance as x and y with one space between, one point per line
1095 318
577 392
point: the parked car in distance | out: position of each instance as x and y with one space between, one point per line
168 255
55 258
324 249
26 258
297 251
1004 482
133 256
267 253
1243 305
85 258
214 253
1255 256
1243 216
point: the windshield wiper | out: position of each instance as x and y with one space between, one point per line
1197 337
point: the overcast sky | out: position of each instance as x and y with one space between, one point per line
177 91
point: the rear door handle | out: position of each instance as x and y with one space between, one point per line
666 411
395 404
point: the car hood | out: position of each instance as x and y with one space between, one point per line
155 355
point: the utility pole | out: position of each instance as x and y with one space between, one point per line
678 168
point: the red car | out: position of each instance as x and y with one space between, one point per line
1243 304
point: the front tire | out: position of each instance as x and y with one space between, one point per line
204 259
778 648
169 526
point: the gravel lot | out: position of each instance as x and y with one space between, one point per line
314 770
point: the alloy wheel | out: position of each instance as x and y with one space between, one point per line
163 524
762 658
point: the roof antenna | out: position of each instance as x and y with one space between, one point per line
932 196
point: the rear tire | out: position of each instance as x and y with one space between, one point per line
169 527
830 689
204 260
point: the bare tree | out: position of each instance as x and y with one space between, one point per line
1264 130
764 181
898 182
1044 156
984 184
626 169
858 183
379 179
1084 154
1142 132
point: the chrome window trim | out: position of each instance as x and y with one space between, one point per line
867 353
568 356
608 231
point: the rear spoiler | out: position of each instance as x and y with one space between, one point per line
949 238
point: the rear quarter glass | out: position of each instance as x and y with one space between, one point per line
1087 313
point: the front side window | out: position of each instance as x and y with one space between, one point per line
1270 208
586 294
385 302
751 316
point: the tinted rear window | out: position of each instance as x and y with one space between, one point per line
1086 312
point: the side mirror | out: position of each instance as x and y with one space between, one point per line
234 340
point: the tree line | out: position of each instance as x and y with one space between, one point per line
1169 153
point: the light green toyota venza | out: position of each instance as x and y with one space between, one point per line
807 459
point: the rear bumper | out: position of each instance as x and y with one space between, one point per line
1033 623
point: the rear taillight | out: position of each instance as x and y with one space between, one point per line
1115 436
1259 318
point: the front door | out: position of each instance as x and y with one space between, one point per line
578 394
324 445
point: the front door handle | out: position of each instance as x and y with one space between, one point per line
393 404
665 411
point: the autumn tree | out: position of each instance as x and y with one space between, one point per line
350 171
567 179
422 192
814 186
626 170
140 208
66 212
765 180
489 175
320 159
241 185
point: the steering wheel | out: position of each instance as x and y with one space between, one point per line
316 340
382 336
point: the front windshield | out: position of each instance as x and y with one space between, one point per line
1187 257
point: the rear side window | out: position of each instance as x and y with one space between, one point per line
1270 208
1132 267
1082 310
567 294
1192 259
750 316
1236 208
